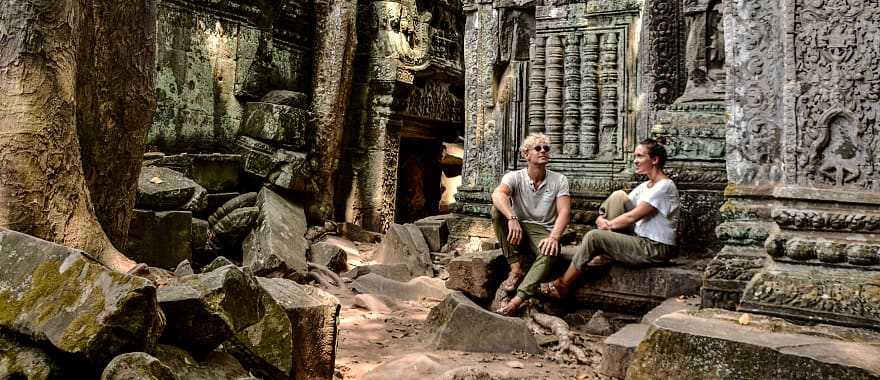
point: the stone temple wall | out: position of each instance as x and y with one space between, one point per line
597 77
215 55
801 228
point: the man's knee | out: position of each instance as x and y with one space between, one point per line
619 196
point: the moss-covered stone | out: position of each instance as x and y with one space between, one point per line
18 361
296 339
716 344
57 295
137 365
206 309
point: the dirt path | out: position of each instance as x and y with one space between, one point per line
370 339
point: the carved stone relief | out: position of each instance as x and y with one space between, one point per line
835 58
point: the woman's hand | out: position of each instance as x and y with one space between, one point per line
602 223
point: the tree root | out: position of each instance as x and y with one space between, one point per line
566 350
326 272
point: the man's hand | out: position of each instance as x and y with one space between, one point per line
549 246
514 231
602 223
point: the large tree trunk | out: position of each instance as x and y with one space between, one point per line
43 191
335 43
116 100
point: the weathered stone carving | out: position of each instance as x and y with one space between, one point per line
835 106
435 102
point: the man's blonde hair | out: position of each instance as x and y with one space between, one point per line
532 141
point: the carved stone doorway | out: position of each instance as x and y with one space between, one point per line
418 179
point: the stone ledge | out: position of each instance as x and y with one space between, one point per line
712 343
637 290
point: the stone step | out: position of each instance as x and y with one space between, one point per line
720 344
618 349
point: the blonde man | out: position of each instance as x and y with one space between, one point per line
532 209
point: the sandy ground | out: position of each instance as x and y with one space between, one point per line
368 339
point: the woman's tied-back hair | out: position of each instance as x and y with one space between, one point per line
531 141
655 150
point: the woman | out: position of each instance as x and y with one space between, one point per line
650 211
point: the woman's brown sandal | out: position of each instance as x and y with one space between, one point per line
553 290
512 281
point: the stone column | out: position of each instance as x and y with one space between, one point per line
589 96
554 82
572 94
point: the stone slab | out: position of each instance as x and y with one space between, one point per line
479 274
276 123
165 189
160 238
637 290
435 231
458 323
276 244
213 365
669 306
329 255
206 309
412 290
296 339
404 244
21 361
137 365
57 295
618 349
715 344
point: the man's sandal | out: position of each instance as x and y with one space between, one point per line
508 310
512 281
552 290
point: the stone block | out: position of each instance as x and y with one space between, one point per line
22 361
137 365
213 365
716 344
216 172
276 244
58 296
637 290
397 272
206 309
618 349
435 231
292 171
165 189
296 339
669 306
286 98
217 263
160 238
478 274
405 244
199 233
257 158
276 123
357 233
412 290
329 255
410 366
458 323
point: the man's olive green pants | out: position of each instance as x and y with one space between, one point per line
527 253
620 246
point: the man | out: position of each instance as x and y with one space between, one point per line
532 208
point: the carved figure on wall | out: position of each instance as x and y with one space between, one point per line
704 59
401 32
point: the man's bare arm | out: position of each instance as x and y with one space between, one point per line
501 201
550 245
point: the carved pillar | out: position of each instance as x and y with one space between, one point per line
609 93
572 94
589 128
554 81
537 90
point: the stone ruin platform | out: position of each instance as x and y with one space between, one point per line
721 344
636 290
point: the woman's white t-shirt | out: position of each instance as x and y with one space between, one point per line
663 196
